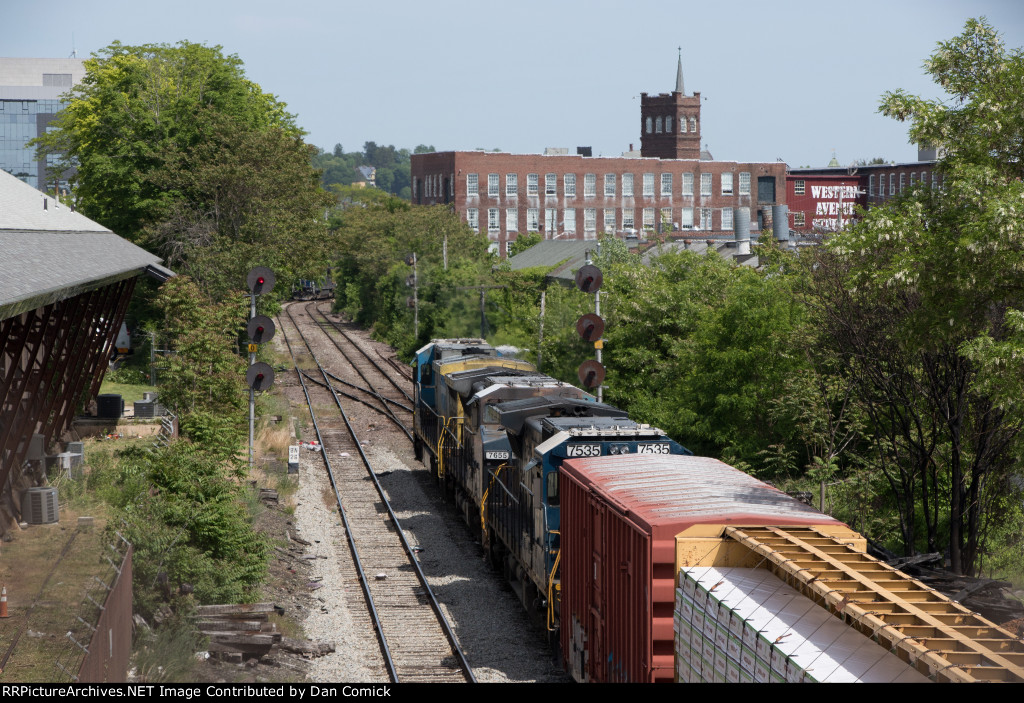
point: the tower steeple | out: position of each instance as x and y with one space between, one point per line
679 73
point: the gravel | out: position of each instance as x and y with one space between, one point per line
499 640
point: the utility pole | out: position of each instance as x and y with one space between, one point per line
483 309
540 336
414 283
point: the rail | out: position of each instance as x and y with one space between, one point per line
410 553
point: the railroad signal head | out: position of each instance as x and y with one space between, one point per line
260 376
590 327
260 280
589 279
591 374
260 329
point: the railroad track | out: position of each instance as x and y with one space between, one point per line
416 641
372 385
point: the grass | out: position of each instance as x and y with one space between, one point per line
306 363
128 391
271 470
44 605
166 654
287 627
273 404
274 440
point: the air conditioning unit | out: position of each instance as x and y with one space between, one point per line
39 506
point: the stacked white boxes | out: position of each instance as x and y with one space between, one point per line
735 625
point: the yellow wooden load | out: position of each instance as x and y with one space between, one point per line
937 636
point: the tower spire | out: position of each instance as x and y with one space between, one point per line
679 73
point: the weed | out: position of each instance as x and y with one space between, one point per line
287 627
330 500
167 654
287 485
274 441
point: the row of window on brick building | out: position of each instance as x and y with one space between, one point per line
655 125
800 188
611 184
613 219
879 191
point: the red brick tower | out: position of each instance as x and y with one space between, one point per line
670 122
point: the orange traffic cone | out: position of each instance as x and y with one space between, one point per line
3 603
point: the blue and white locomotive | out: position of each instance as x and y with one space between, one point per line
495 431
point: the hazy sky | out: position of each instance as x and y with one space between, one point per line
789 80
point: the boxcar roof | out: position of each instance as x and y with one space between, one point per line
666 490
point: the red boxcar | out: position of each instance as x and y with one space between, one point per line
620 516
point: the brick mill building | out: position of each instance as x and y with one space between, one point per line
825 199
670 187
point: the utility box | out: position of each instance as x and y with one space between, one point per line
109 405
36 448
148 409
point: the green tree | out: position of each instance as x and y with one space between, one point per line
133 104
525 241
700 347
374 234
921 284
242 197
202 378
188 522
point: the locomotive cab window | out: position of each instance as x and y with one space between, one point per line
491 414
551 489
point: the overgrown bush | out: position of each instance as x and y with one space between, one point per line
190 524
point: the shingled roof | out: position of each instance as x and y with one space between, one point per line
48 252
566 257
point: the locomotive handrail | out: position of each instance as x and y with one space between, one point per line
483 498
440 443
551 586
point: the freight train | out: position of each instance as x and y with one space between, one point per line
630 549
306 289
495 433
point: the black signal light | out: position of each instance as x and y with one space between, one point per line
260 376
590 327
260 329
260 280
589 279
591 374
